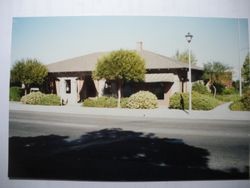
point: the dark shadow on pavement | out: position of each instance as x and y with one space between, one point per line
111 155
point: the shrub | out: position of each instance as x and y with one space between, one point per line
199 101
50 99
229 91
242 104
204 102
15 93
178 100
124 102
107 102
39 98
200 88
32 98
89 102
142 100
228 98
245 100
237 106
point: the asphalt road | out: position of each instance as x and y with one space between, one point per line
218 145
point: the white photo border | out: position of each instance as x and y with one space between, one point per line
31 8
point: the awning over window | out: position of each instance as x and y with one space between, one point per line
161 77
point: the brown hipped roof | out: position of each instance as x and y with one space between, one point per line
88 62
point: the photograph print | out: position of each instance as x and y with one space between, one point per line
129 98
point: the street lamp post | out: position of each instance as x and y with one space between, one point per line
189 38
240 80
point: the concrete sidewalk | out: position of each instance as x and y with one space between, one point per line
221 112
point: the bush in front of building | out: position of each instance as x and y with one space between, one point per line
204 102
50 100
199 101
32 98
15 93
142 100
89 102
200 88
105 102
38 98
179 101
243 104
124 102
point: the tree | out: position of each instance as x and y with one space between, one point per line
29 71
213 73
184 57
246 71
119 66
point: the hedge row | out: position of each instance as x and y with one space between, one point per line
38 98
139 100
199 101
106 102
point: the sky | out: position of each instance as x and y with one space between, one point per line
51 39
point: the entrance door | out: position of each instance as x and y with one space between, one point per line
68 90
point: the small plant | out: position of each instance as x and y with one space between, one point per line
15 94
142 100
32 98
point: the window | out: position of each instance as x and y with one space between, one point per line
68 86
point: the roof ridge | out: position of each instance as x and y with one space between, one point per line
72 58
173 59
163 56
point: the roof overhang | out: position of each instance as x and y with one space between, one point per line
161 77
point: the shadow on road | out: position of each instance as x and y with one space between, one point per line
111 155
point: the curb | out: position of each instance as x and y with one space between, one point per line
161 113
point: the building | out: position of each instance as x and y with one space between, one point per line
71 79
